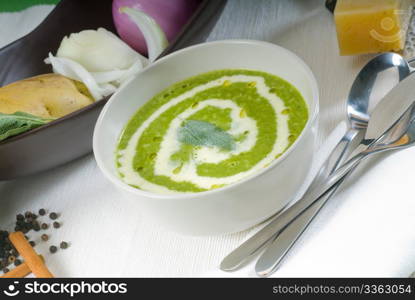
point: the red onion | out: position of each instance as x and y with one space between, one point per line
170 15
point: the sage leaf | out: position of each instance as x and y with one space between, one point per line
17 123
201 133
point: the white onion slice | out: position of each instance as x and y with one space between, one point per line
98 50
74 70
153 34
103 77
130 73
118 76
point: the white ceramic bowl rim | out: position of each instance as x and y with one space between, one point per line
182 196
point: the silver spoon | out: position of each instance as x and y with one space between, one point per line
293 227
399 136
271 258
357 111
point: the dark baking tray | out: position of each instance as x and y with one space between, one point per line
70 137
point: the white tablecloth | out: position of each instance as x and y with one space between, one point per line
366 230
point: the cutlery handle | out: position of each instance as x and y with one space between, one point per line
338 156
305 211
392 138
251 246
270 260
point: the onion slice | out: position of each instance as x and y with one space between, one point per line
99 84
153 34
74 70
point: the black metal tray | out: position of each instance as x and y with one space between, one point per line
70 137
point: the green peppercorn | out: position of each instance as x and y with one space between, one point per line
56 225
44 237
44 226
53 249
42 211
64 245
53 215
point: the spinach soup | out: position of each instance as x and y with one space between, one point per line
209 131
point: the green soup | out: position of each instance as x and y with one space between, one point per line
209 131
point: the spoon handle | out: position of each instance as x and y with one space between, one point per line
400 135
269 261
250 247
271 258
349 142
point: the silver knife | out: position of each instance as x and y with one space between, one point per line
380 121
386 112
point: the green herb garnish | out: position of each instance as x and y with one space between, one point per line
19 122
201 133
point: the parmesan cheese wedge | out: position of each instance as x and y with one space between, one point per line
371 26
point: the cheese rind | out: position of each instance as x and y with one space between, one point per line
371 26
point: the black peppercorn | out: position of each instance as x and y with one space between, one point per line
17 262
32 243
45 226
5 270
56 225
64 245
53 249
11 259
53 215
4 262
36 226
42 211
19 217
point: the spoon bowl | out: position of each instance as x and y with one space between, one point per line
362 88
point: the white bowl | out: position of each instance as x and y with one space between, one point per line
240 205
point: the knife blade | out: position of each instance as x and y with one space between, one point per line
392 106
383 116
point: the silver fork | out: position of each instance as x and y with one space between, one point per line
357 111
400 135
